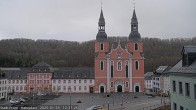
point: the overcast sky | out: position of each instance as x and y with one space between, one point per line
77 20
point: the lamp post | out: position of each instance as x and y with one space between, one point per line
108 100
69 97
122 100
33 99
113 96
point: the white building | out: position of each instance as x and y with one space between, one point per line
161 82
166 84
76 80
3 88
148 80
16 81
156 83
76 85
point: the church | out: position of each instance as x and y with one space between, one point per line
119 68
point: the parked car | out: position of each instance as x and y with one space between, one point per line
27 98
23 100
41 94
14 101
95 107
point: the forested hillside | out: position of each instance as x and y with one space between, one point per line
27 52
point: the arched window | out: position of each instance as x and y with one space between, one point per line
119 66
136 65
136 46
126 70
101 65
101 46
112 69
20 87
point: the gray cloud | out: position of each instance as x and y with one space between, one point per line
77 19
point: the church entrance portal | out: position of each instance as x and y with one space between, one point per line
119 88
101 89
137 89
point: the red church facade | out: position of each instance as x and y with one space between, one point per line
119 68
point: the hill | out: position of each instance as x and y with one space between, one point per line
58 53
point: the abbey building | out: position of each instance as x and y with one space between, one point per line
119 68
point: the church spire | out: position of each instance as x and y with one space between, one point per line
101 35
134 35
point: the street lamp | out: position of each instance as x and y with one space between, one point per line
108 101
122 100
113 96
69 89
33 99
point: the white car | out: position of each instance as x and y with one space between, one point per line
14 101
95 107
23 100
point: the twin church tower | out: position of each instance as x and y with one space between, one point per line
119 68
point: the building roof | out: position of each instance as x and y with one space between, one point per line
101 19
134 18
178 68
161 69
101 35
148 76
42 64
134 35
15 74
189 49
41 67
74 73
58 73
9 69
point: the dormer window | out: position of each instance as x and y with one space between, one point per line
101 46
